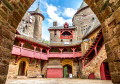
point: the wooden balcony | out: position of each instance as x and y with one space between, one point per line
43 56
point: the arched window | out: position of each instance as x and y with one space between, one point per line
66 33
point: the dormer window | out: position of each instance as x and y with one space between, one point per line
55 33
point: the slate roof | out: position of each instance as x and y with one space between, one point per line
62 27
48 45
30 39
93 26
37 10
83 5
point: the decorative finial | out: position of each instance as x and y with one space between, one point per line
38 3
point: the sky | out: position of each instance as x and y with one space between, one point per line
56 10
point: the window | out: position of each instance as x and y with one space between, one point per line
85 46
23 29
30 20
93 18
26 26
66 33
61 40
55 34
70 40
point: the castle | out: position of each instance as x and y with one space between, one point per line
75 51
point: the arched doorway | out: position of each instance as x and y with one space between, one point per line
21 71
104 71
91 76
67 69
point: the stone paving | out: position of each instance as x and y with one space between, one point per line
57 81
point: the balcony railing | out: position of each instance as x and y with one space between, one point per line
67 37
44 56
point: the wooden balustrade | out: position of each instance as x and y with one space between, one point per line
43 56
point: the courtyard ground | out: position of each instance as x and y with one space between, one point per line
57 81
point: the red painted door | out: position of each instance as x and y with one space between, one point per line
54 73
104 71
92 76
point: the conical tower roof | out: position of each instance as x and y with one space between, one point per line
37 10
83 5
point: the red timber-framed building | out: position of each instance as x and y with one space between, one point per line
38 53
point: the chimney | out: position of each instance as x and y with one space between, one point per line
55 23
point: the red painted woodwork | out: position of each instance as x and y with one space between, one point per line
17 59
59 55
92 59
67 36
95 43
27 52
16 50
54 73
104 71
37 55
66 25
78 54
33 43
44 56
91 76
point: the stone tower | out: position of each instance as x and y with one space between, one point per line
83 19
37 33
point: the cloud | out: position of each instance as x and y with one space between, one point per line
69 12
54 15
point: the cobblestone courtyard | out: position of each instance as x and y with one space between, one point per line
57 81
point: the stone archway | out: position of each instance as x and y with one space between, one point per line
22 65
67 69
11 13
21 70
107 11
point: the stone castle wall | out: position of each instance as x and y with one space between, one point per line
26 26
83 22
31 70
94 65
57 37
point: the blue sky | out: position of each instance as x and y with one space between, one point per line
56 10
